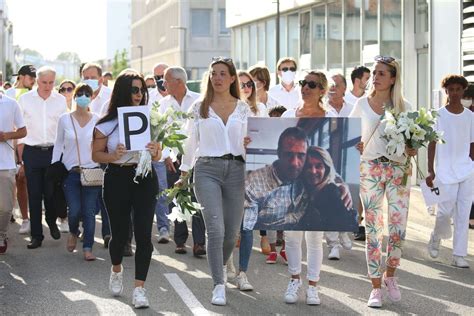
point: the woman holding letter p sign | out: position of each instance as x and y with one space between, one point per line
120 192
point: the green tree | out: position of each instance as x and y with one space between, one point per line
8 71
120 62
32 52
69 56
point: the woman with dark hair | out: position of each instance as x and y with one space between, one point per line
120 193
66 88
73 142
216 143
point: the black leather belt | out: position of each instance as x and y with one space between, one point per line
42 148
232 157
76 169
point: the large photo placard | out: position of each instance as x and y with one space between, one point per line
299 172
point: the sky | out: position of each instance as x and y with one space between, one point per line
54 26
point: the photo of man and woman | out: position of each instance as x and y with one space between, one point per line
302 174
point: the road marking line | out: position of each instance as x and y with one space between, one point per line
186 295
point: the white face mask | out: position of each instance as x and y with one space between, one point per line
288 77
466 102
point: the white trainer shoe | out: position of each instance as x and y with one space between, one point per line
218 295
460 262
433 246
139 299
312 296
63 225
25 227
291 295
375 299
243 283
115 282
334 253
345 240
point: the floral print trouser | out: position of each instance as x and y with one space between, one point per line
376 180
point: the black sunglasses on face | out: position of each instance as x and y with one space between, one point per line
384 59
311 84
136 90
158 78
248 84
285 69
80 94
64 89
151 86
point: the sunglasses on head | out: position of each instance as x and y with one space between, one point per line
136 90
311 84
80 94
285 69
221 58
384 59
248 84
64 89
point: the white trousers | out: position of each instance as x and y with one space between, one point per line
458 208
333 239
314 255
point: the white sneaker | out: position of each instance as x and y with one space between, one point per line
375 299
163 236
243 283
346 241
63 225
460 262
312 297
25 227
334 253
231 271
218 295
291 295
115 283
433 246
139 299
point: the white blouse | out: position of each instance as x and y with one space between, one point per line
209 137
111 131
261 111
66 142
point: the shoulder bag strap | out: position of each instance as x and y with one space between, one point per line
77 143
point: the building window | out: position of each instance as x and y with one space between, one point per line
237 46
253 44
318 51
391 42
304 34
245 47
201 22
261 42
335 35
283 37
270 58
370 22
293 35
223 30
352 33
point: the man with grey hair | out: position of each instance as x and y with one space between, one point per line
48 105
160 91
180 98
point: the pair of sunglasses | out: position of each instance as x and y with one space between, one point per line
80 94
248 84
151 86
136 90
311 84
384 59
221 58
68 89
285 69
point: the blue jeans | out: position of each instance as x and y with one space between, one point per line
246 242
161 208
82 203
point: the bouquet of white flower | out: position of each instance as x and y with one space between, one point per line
412 129
165 129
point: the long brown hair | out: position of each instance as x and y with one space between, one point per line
209 90
252 99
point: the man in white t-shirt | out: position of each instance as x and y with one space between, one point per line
359 77
91 74
287 93
454 171
336 102
180 98
11 127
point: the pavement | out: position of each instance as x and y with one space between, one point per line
52 281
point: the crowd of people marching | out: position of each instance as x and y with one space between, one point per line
50 134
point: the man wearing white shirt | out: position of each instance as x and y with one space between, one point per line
359 77
336 102
160 91
287 93
180 98
91 74
41 109
11 127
